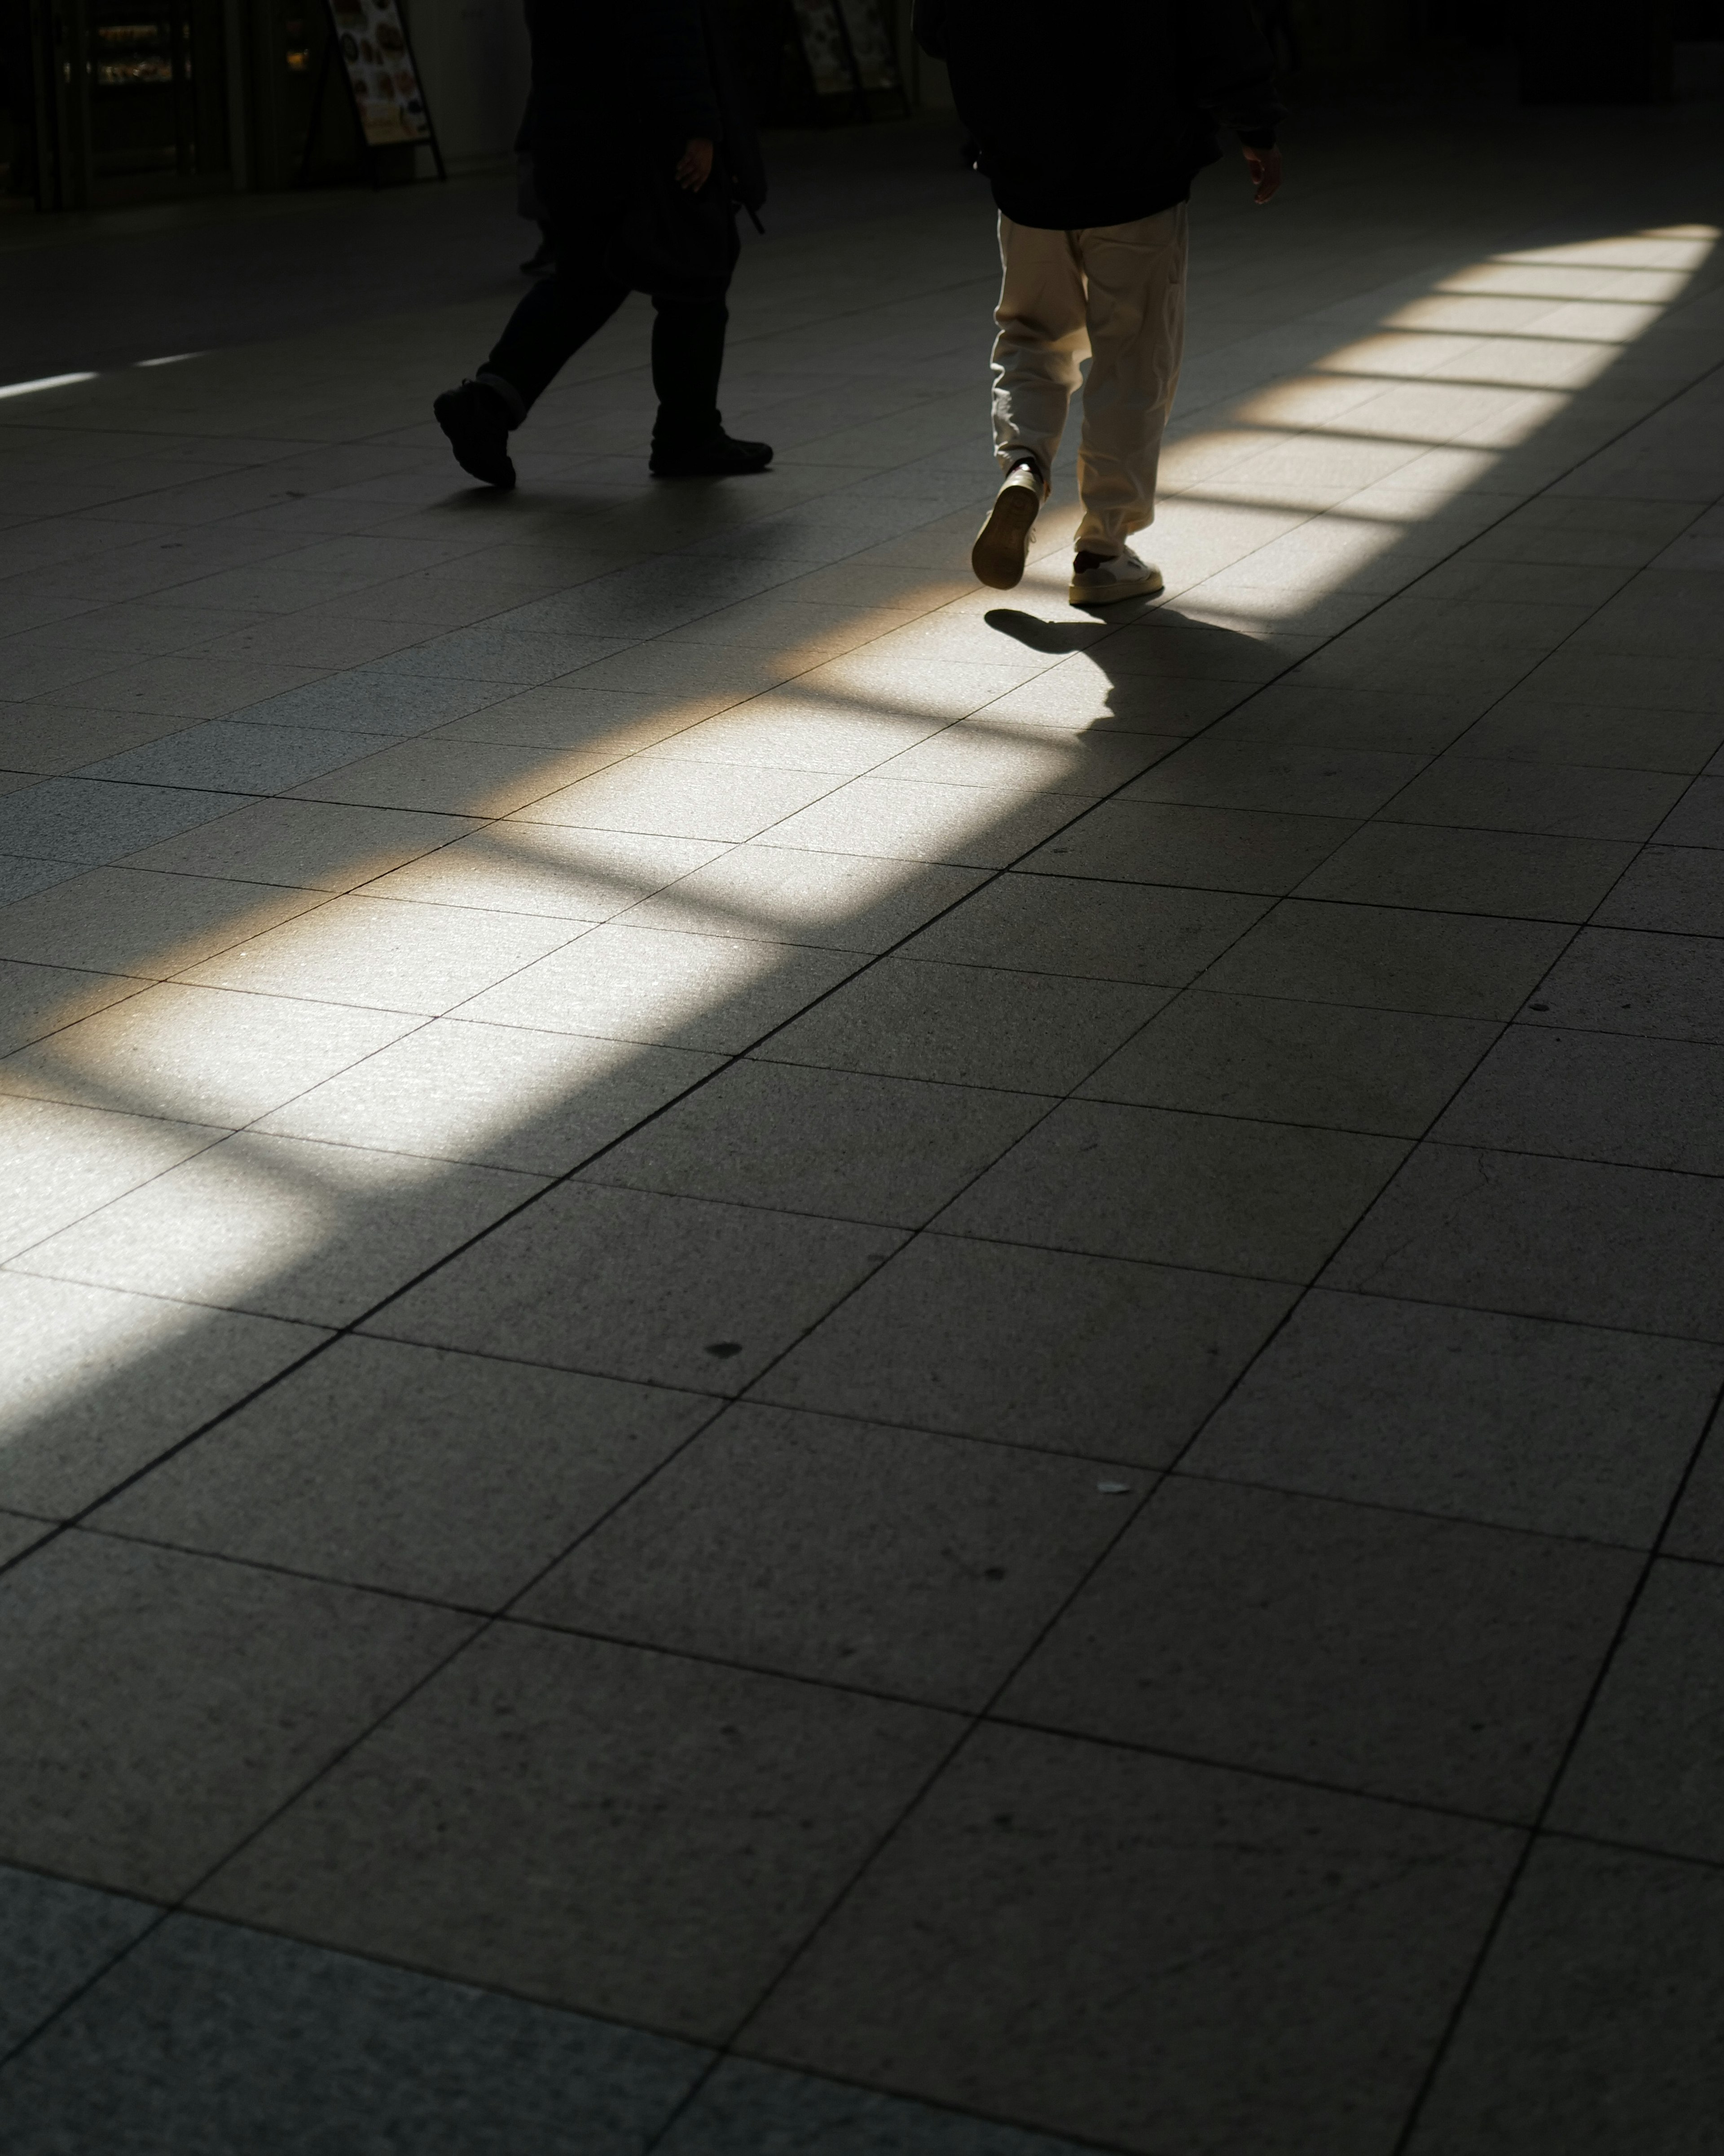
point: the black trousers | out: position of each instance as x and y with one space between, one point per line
557 317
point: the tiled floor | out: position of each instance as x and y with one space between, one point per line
802 1363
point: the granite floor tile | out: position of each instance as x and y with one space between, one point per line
903 677
1243 1964
276 1225
201 1055
619 982
668 798
22 878
981 750
1215 1192
1297 780
843 901
282 1227
1509 874
560 873
1530 727
1167 644
631 1284
1560 529
1646 1103
1233 849
315 846
18 1533
159 1707
1436 1660
450 778
1679 890
100 1382
36 1001
94 820
233 759
747 2109
1663 610
1445 964
1563 1429
52 737
57 1936
710 677
911 820
1089 930
383 955
1566 801
1387 1071
894 1560
1696 1530
594 1825
785 731
491 651
1480 572
1461 668
1590 2030
1698 817
316 637
1307 715
967 1025
1618 980
138 922
1649 1770
1078 695
503 1097
850 1145
1671 682
1099 1357
376 699
1599 1245
191 685
209 2037
414 1470
567 715
62 1161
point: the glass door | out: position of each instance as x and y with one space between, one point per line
143 78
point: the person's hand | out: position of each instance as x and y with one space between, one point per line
1265 167
694 167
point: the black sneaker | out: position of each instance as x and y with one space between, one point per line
477 425
717 457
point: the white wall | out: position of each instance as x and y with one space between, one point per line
474 64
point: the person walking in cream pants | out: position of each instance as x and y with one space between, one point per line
1091 144
1115 295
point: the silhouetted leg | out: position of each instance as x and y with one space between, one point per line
688 357
551 323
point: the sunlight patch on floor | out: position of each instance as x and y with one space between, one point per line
1387 431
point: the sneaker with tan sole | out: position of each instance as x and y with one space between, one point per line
1099 579
1002 544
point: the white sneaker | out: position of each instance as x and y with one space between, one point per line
1003 543
1123 576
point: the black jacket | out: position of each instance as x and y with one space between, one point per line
1106 117
619 86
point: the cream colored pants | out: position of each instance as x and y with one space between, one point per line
1113 292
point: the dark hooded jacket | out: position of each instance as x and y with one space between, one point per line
1101 119
620 85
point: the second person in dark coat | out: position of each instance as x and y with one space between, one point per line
642 147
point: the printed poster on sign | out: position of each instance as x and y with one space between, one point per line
846 52
379 61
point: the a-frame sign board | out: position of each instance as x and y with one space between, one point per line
368 40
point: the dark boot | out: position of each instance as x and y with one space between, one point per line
716 455
477 424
